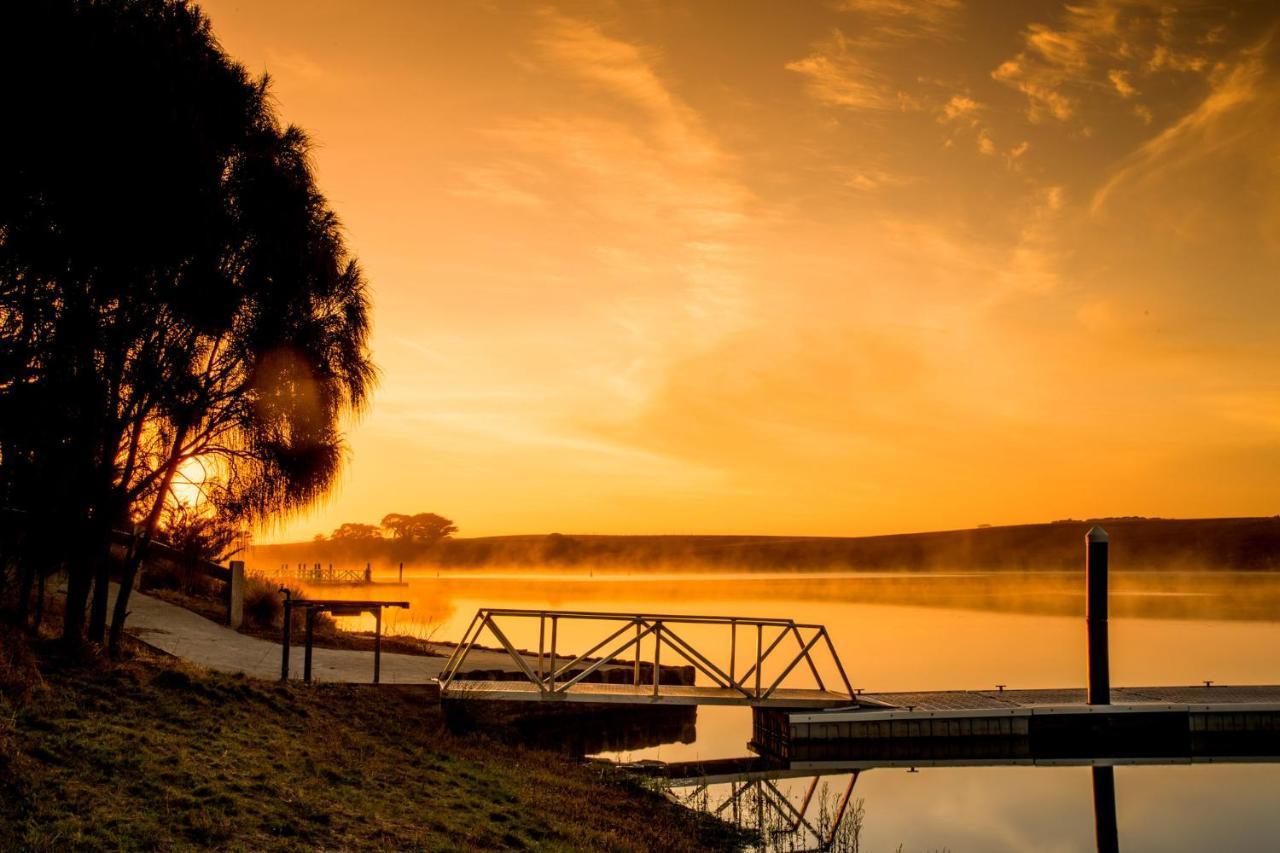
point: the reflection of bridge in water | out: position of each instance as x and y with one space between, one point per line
751 799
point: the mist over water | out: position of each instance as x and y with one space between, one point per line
933 631
947 628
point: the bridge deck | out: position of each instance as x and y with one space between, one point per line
627 694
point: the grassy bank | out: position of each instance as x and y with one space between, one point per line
148 753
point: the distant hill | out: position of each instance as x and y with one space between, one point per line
1213 544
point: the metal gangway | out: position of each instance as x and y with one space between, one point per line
627 679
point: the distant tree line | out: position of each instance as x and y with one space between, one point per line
400 536
1210 544
173 287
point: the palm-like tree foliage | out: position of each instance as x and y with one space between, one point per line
172 282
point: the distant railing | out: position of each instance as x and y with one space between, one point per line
320 574
553 677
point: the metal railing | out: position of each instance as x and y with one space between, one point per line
554 674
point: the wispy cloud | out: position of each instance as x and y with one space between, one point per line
897 20
623 69
295 64
1232 87
849 70
838 73
960 107
872 179
1102 45
502 185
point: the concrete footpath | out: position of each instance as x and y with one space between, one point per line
193 638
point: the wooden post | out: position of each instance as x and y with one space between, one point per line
402 571
306 654
377 645
284 641
235 594
1095 573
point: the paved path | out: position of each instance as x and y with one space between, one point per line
193 638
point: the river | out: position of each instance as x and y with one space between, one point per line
938 631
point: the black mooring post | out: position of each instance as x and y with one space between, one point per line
377 644
306 655
1095 578
284 640
1104 810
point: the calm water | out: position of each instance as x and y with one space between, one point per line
902 632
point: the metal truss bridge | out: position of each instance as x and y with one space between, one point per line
627 664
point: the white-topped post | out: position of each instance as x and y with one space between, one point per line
1095 574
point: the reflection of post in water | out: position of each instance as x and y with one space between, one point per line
1104 809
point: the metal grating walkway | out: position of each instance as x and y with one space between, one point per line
627 694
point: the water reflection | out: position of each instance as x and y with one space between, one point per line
1104 809
798 807
951 631
577 730
824 819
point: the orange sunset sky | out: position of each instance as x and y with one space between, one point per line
798 268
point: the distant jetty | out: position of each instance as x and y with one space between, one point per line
318 574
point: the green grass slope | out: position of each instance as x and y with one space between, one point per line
149 754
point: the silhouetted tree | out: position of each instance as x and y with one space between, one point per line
352 532
424 527
172 285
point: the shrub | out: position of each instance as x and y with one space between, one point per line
263 607
175 574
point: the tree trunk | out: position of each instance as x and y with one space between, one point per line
78 581
101 571
24 592
141 542
81 559
39 617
